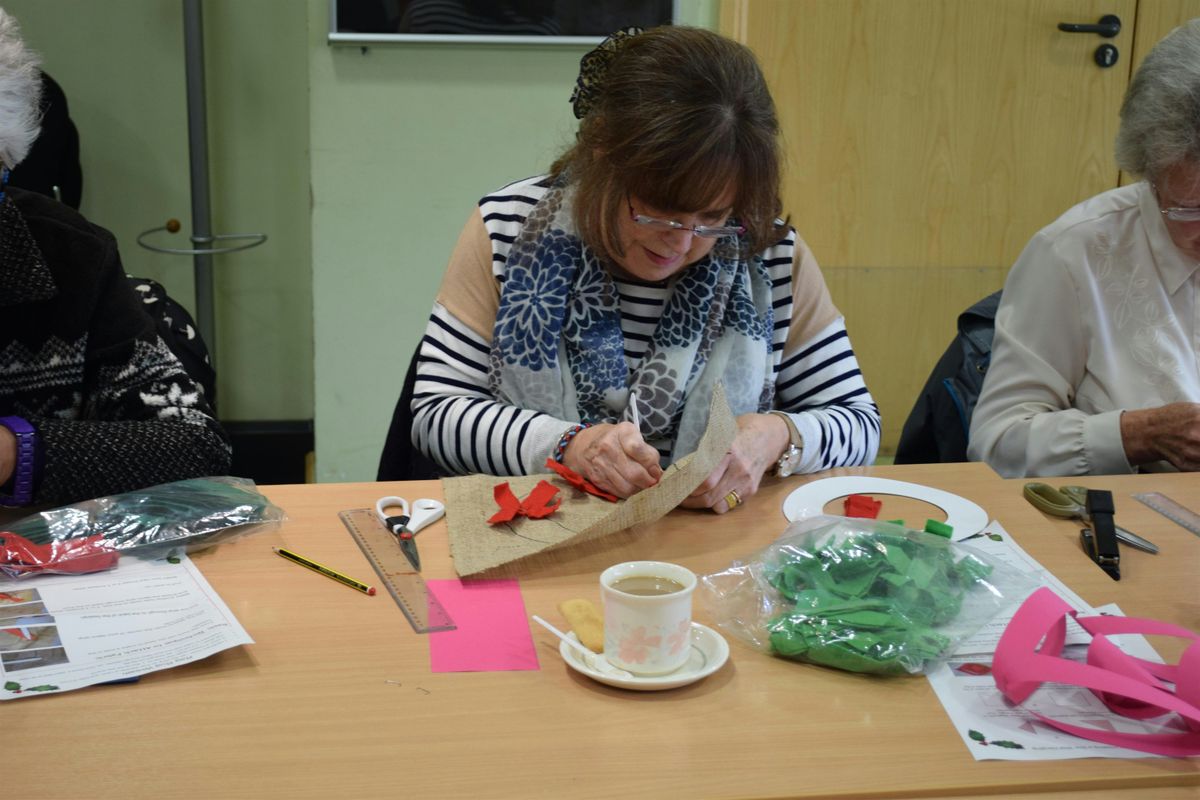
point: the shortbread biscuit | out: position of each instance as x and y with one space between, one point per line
587 622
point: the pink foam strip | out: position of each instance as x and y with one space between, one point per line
1131 689
493 630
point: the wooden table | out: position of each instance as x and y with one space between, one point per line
336 698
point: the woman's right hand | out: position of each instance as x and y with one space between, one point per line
1166 433
614 457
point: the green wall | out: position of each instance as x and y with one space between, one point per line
121 65
405 140
360 166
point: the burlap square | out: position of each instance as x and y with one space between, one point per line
476 546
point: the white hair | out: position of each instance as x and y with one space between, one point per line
1160 116
20 93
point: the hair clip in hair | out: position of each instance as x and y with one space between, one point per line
593 67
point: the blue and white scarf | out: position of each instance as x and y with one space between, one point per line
557 346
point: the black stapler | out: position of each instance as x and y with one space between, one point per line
1100 540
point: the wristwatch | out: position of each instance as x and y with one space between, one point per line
790 460
21 493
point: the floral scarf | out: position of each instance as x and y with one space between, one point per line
558 348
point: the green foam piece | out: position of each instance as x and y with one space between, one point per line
971 569
869 602
939 528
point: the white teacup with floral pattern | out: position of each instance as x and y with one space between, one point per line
647 616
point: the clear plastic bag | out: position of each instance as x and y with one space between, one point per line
861 595
89 536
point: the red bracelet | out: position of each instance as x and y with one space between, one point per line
561 450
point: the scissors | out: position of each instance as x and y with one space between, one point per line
405 526
1067 502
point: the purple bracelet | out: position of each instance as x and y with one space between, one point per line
561 450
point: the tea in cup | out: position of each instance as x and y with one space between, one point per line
647 616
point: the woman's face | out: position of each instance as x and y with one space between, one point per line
652 254
1179 187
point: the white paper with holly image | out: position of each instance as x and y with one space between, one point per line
991 727
63 632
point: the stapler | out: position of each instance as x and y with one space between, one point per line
1100 539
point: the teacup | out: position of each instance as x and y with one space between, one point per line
647 616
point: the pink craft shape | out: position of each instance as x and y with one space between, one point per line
1128 686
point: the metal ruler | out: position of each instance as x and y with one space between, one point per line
407 588
1171 510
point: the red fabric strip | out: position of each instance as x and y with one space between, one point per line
18 555
579 482
510 506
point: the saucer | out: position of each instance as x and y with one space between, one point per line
709 653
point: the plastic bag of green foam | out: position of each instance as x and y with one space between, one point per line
861 595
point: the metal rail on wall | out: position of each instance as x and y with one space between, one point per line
205 244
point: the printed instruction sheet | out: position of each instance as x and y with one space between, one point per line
63 632
993 728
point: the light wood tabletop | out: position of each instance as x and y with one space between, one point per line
336 697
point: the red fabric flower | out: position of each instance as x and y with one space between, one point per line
536 504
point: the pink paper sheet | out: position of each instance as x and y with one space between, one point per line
493 630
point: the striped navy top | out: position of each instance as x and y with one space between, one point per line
460 426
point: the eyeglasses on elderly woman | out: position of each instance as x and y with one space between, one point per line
703 231
1177 213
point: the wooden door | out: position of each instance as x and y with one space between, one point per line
927 141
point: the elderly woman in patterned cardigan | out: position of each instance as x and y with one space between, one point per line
587 315
92 401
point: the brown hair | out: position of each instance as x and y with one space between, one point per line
683 114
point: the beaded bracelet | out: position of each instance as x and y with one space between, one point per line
566 438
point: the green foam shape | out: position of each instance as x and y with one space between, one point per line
939 528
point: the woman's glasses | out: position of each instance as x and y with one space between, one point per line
703 231
1177 213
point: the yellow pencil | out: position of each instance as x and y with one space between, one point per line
326 571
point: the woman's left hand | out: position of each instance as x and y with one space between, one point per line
759 442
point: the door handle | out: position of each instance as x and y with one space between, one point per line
1108 26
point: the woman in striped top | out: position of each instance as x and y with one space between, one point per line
588 314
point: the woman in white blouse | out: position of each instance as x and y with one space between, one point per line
1094 366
